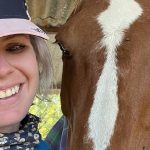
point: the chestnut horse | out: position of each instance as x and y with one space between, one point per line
105 92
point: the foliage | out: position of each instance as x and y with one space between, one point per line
48 109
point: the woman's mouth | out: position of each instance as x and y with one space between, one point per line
9 92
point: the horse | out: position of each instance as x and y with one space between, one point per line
105 89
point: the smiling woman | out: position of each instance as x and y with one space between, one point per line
25 70
18 86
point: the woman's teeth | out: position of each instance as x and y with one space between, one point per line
9 92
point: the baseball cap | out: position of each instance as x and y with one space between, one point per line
15 19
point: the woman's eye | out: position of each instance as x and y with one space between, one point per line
65 52
15 48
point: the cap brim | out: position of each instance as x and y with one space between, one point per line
20 26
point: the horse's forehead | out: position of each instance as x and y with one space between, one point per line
83 23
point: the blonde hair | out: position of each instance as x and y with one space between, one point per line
44 63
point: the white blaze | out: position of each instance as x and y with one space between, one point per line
114 21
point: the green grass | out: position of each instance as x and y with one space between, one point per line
48 110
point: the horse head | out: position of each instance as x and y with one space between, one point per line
105 88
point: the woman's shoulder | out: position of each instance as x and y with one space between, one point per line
43 146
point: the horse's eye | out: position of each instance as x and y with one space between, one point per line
65 52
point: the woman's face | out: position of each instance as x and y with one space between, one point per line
19 79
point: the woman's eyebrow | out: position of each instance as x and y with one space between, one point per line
14 36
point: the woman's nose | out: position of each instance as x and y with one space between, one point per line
5 67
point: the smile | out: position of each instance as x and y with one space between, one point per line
9 92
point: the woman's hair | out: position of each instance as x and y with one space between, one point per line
44 63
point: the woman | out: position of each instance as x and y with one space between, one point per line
24 67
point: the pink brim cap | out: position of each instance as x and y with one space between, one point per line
12 26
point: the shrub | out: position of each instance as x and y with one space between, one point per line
48 109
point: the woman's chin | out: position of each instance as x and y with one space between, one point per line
10 121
